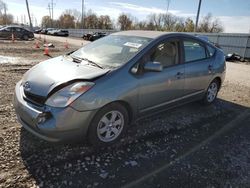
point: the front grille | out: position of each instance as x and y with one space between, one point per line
35 99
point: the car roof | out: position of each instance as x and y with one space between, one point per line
150 34
15 26
141 33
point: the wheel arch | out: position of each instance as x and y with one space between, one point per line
124 104
121 103
219 81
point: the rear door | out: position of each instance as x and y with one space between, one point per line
156 89
198 66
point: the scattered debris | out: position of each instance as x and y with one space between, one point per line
104 175
234 57
49 45
132 163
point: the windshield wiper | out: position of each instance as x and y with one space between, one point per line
76 59
92 63
79 60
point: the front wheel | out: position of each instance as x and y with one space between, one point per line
25 37
108 125
211 92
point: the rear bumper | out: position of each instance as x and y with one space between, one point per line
49 123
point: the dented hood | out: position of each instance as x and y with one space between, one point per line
44 77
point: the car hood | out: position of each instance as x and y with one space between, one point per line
44 77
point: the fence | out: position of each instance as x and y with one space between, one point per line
229 42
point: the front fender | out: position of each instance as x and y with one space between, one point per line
108 89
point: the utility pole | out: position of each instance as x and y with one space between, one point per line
5 14
197 16
50 15
52 11
82 14
168 2
51 7
49 11
27 5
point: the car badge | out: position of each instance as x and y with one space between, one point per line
26 86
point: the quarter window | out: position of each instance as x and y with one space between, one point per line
194 51
211 50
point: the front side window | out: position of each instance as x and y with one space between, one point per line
113 50
166 53
17 29
194 51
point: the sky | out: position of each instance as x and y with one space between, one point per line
233 14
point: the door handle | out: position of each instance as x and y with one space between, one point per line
210 69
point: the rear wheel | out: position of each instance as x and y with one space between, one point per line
108 125
212 92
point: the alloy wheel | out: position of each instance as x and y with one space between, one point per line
110 126
212 92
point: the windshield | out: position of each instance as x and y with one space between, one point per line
113 50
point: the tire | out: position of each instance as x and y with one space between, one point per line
105 131
25 37
211 92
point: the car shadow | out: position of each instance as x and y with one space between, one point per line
149 140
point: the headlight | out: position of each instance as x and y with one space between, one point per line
67 95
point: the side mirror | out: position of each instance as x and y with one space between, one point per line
153 66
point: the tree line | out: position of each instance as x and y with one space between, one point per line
71 18
170 22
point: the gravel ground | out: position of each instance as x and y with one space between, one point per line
26 161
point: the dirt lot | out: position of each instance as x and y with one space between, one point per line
191 146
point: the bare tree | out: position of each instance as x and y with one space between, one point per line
210 25
91 20
141 25
125 22
156 20
180 25
104 22
67 21
77 15
5 18
3 8
169 21
46 21
189 25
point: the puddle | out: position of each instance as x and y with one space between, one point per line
12 60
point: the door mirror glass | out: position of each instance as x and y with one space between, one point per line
153 66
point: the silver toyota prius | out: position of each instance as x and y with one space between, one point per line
98 90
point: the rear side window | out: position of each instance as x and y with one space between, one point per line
194 51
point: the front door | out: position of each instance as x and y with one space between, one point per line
156 89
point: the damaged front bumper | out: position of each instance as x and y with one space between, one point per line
49 123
